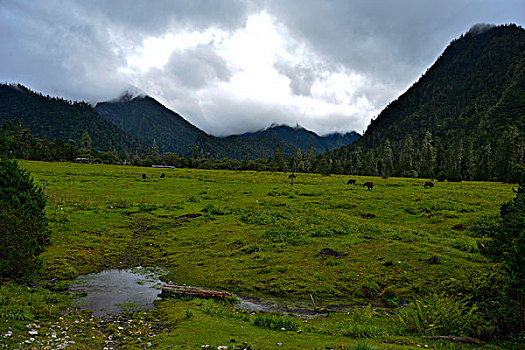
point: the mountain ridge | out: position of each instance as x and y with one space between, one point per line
458 120
149 120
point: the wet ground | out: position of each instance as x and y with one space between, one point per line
112 292
304 309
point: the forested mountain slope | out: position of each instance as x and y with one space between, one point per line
463 119
55 118
149 120
306 138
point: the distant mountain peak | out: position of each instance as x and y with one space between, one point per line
130 94
480 28
283 126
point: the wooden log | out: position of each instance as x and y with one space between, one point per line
196 292
466 340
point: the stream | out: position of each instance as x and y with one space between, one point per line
112 292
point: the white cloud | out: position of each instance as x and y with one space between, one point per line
229 66
261 60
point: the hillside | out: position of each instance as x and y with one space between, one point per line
305 137
53 118
149 120
463 119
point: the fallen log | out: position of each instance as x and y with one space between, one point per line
466 340
168 289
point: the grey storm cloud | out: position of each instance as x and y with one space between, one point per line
80 50
198 67
301 77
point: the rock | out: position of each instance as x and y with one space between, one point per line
327 252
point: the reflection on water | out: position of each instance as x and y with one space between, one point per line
303 309
113 291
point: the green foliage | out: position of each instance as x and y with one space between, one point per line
54 118
503 240
23 224
439 314
20 303
275 321
463 120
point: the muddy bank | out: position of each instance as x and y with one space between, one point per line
303 309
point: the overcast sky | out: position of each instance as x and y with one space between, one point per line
235 66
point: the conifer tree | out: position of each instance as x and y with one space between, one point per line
428 156
23 224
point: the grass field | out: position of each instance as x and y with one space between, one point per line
259 236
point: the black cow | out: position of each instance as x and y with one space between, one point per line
429 184
143 176
369 185
162 176
351 182
292 176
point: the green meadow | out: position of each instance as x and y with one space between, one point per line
320 240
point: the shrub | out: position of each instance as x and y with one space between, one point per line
440 314
503 241
23 224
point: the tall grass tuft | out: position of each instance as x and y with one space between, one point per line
440 314
275 322
20 303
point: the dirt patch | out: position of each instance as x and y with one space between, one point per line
330 253
188 216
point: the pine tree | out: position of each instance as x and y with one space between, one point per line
406 158
357 157
428 156
386 159
310 157
155 150
85 140
23 223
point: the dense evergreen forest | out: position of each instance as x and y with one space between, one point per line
151 122
63 121
463 119
21 144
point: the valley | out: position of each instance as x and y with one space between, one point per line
256 235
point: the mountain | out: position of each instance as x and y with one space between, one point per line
235 147
55 118
463 119
305 138
148 120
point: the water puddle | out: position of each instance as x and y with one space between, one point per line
112 292
304 309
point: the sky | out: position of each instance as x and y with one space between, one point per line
230 67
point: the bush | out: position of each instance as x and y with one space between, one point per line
439 314
503 241
23 224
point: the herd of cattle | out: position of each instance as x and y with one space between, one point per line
370 185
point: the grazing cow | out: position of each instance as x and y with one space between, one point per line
143 176
351 182
162 176
369 185
429 184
